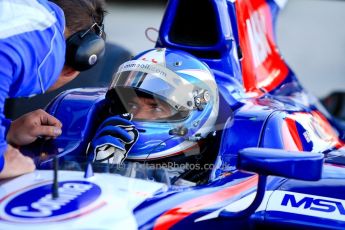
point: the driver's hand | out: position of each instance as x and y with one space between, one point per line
27 128
113 140
16 163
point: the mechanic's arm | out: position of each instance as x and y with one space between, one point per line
24 130
14 163
27 128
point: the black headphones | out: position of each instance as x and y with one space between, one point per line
84 48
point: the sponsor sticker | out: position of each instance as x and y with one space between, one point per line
35 203
305 204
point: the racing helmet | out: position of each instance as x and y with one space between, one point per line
181 84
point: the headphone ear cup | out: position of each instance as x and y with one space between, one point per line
84 50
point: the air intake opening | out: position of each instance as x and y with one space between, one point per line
195 24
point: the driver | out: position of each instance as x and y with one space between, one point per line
147 108
163 106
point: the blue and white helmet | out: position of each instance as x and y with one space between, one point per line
180 80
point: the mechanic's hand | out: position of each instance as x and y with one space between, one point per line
16 163
27 128
113 140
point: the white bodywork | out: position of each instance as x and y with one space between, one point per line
113 209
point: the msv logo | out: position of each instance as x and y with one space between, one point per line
307 205
321 205
37 205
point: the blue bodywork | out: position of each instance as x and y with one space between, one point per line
261 123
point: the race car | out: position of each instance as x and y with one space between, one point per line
275 157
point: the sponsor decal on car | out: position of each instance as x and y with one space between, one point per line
310 203
305 204
36 204
263 67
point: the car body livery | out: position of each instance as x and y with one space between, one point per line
279 164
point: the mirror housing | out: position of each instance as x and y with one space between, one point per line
276 162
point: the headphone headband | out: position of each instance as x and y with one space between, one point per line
98 29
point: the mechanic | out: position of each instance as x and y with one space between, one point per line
43 45
173 100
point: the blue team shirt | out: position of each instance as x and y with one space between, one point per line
32 52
